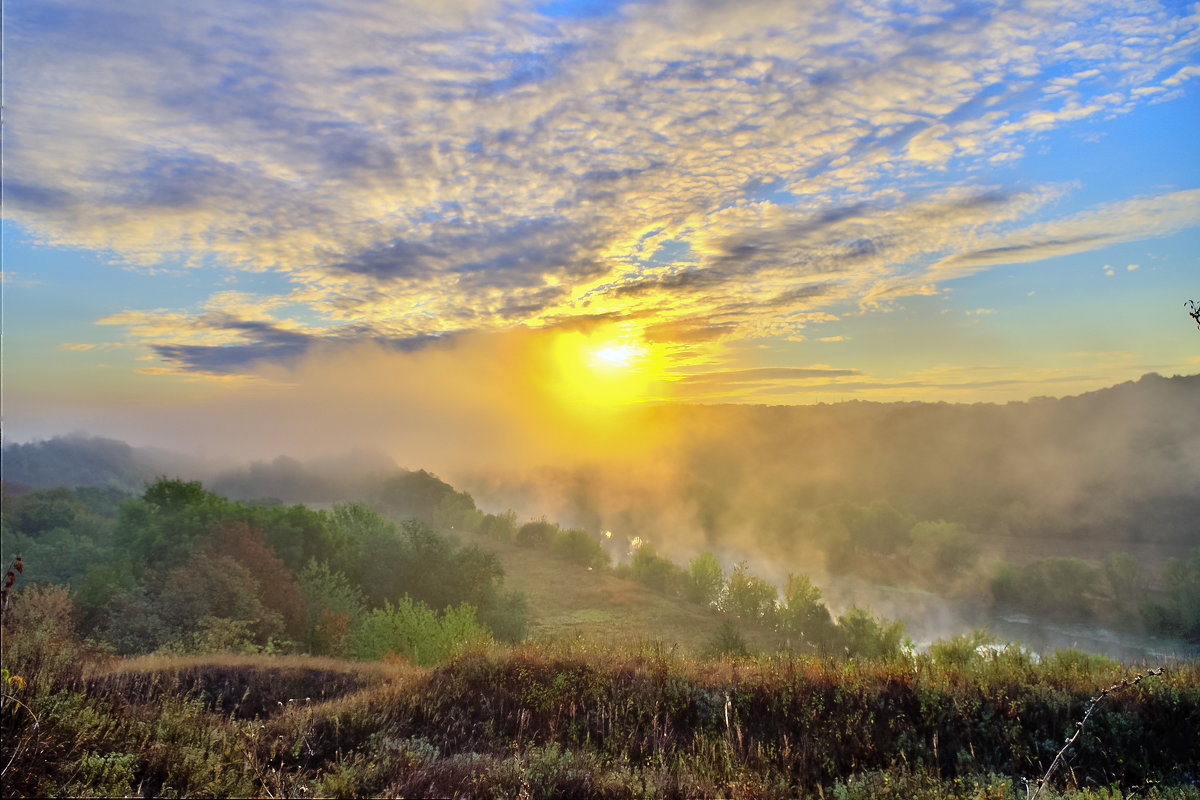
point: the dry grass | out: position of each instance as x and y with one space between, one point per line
567 601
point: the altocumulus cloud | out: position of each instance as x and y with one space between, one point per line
420 170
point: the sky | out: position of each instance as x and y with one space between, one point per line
262 226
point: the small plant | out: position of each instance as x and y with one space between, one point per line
1058 759
10 577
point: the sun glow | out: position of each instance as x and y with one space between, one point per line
617 356
605 368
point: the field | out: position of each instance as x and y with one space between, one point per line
608 699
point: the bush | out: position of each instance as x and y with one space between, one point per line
580 547
804 617
538 533
499 526
410 629
727 642
655 572
706 580
865 637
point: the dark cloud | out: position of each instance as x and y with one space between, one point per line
688 280
1026 251
178 180
35 197
394 260
508 256
793 296
265 343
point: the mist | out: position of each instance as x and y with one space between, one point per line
785 488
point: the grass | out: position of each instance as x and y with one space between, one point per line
580 718
608 700
567 601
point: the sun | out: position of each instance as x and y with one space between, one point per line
616 355
604 369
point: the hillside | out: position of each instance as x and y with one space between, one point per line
569 602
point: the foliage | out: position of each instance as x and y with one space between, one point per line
501 526
706 580
863 636
411 630
803 618
962 650
749 597
604 723
579 547
537 533
419 495
655 572
727 642
1176 609
946 548
331 606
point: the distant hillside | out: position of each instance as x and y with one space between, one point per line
78 460
1115 469
1109 470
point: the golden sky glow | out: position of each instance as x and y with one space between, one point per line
765 202
606 368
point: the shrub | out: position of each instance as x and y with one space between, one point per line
865 637
727 642
706 580
580 547
538 533
410 629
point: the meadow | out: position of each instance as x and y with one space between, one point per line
563 715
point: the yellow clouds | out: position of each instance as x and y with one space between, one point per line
425 169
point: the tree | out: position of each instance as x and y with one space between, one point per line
278 590
863 636
804 617
706 579
947 546
331 604
748 596
412 630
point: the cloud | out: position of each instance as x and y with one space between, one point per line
1130 220
766 375
421 169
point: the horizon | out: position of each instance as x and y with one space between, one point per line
505 226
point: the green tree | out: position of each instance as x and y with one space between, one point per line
538 533
865 637
749 597
654 572
331 607
804 618
947 547
501 526
706 579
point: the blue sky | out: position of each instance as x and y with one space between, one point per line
212 208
